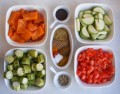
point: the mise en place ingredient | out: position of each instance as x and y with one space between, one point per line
26 26
25 69
95 66
61 14
63 80
61 47
93 24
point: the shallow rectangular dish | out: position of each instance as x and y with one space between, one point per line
30 88
110 14
27 7
79 81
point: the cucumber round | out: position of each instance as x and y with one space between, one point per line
92 30
101 37
99 9
99 24
88 21
87 11
78 24
87 15
85 33
107 20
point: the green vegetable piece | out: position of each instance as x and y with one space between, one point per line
99 9
31 82
80 14
87 12
26 61
107 20
10 67
9 59
31 76
41 74
39 82
9 75
27 68
24 86
20 71
19 53
33 67
14 72
16 64
23 80
14 78
39 67
16 86
41 58
33 53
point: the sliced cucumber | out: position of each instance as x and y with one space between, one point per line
99 9
78 24
88 21
100 16
87 12
92 30
94 13
102 32
81 35
106 28
80 14
99 24
94 36
84 25
96 16
101 37
87 15
85 33
107 20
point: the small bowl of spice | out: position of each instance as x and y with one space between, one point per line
62 80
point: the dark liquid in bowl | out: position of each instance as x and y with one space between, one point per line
61 14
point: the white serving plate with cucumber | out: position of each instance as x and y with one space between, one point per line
19 70
94 23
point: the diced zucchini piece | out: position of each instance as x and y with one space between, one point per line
23 80
39 82
25 61
41 58
94 36
39 67
10 67
92 30
9 59
101 37
87 15
27 68
41 74
31 82
33 53
100 16
88 21
9 75
16 86
99 9
80 14
106 28
107 20
20 71
16 64
85 32
31 76
99 24
24 86
14 72
94 13
87 11
14 78
77 24
19 53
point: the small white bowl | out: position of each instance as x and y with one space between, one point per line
71 45
30 88
27 7
110 14
78 80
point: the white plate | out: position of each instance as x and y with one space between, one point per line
11 52
26 7
83 84
108 11
71 45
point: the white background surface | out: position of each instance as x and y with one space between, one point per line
50 5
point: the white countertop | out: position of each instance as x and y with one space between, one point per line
50 5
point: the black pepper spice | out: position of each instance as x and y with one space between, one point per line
63 80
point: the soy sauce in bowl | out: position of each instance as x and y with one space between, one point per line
61 14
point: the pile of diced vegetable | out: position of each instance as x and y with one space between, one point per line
25 69
93 24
